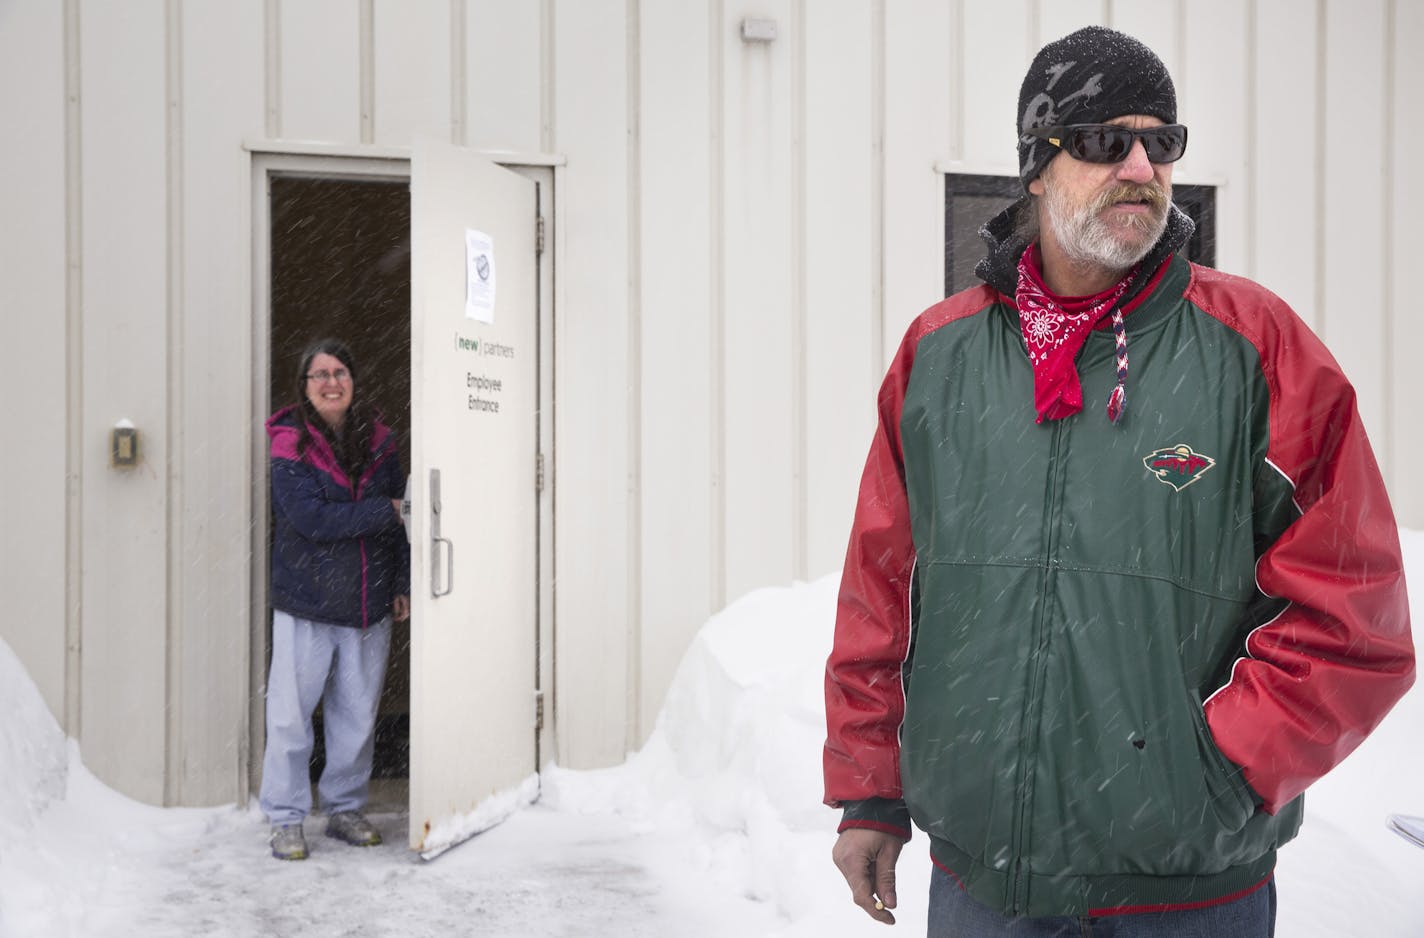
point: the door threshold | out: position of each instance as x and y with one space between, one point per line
388 796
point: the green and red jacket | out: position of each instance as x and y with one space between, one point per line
1100 663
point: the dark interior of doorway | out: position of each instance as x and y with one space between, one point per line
340 267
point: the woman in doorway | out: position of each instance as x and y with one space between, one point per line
340 574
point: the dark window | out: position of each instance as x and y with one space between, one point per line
970 201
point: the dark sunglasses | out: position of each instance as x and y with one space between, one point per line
1111 143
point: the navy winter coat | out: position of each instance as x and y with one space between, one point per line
339 551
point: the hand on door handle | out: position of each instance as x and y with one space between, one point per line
436 540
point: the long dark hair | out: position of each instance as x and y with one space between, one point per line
352 445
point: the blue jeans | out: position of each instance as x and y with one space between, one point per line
953 914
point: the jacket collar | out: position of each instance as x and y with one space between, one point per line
999 268
285 420
282 426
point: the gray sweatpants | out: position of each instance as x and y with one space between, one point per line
344 668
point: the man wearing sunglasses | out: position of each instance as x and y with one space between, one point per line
1096 636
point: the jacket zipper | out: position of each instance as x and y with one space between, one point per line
1032 721
356 497
356 485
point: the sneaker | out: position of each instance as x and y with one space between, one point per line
288 842
353 828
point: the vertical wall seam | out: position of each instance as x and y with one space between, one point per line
74 377
1387 215
956 97
1253 137
458 72
553 701
877 189
272 70
1182 78
173 501
634 401
259 222
547 76
716 302
1033 29
1322 212
800 508
367 77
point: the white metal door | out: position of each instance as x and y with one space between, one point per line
474 521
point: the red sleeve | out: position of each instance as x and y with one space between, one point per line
865 694
1317 678
865 699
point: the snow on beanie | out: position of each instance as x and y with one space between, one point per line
1088 77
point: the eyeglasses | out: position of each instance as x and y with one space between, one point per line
1111 143
340 376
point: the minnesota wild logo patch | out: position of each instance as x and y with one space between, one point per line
1178 466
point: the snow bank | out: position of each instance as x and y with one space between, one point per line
744 712
69 845
737 746
733 767
32 750
721 807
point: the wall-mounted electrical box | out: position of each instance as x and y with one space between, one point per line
124 447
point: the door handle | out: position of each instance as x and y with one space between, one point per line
436 540
435 589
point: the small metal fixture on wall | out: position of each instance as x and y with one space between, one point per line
758 29
123 450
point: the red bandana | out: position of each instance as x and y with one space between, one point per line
1054 329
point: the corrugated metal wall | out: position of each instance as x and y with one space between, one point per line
743 231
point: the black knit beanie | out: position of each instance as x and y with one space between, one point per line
1088 77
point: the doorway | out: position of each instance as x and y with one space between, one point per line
332 255
340 267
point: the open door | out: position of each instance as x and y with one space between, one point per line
474 510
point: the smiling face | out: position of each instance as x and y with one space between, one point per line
1103 217
330 396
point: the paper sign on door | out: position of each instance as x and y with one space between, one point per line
479 276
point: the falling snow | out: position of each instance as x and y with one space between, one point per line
714 829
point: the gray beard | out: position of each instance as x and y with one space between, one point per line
1088 241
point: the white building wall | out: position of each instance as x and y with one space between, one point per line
680 159
1402 450
127 367
35 330
743 230
837 270
210 295
596 385
920 116
1352 288
503 101
319 48
410 73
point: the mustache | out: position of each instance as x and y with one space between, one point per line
1154 195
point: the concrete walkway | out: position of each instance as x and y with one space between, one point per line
536 875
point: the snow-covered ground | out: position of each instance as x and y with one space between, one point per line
714 829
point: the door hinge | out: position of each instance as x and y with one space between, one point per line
539 234
538 473
538 711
